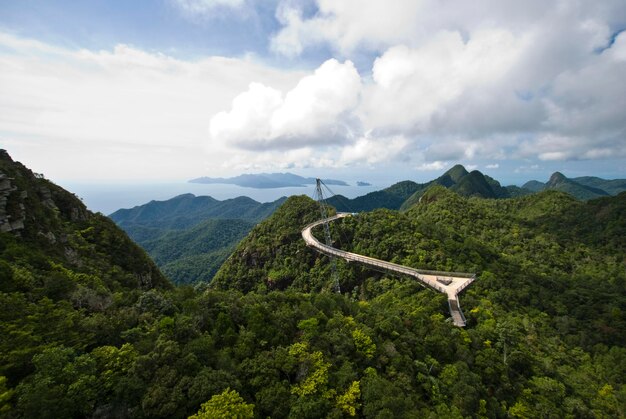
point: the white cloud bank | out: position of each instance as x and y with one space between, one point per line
120 113
316 111
483 80
454 97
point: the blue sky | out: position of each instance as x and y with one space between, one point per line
359 89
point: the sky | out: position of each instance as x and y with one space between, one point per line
376 90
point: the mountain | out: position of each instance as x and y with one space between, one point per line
190 236
465 183
534 185
403 195
62 270
611 187
273 255
391 198
267 180
186 210
90 329
584 188
54 224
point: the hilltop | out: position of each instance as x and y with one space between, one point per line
62 270
403 195
584 188
186 210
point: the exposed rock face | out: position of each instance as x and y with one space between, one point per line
54 223
10 220
20 189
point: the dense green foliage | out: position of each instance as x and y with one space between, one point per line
189 237
551 277
85 335
274 256
195 254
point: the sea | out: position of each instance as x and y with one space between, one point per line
108 198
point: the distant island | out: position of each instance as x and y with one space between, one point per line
267 180
361 183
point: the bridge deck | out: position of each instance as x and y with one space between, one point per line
449 283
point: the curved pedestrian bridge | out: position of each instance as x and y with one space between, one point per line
449 283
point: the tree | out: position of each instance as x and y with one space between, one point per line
225 405
348 402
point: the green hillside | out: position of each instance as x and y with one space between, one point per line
67 275
584 188
559 182
274 256
392 198
91 329
551 275
195 254
189 237
611 187
463 183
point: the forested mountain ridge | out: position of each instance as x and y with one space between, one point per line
189 236
63 271
56 224
403 195
545 334
195 254
186 210
274 256
391 198
551 278
165 224
584 188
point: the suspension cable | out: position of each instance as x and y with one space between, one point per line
319 195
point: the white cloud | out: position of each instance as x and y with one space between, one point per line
206 7
412 86
499 75
434 165
476 82
375 25
492 166
89 101
373 150
316 111
346 24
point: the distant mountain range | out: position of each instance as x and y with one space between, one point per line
190 236
403 195
583 188
267 180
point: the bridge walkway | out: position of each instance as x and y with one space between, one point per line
449 283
